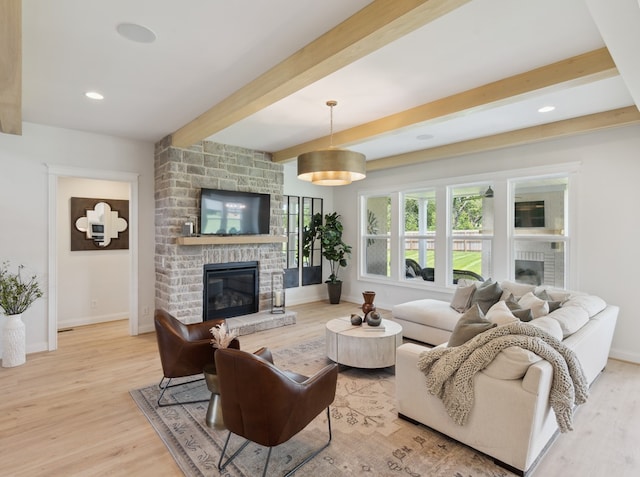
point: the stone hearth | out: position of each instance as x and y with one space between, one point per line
263 320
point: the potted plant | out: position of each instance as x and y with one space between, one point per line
16 296
335 251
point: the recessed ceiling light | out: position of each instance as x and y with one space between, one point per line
93 95
546 109
135 32
424 137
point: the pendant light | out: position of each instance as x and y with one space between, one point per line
332 166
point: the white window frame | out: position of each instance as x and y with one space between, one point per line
403 233
503 239
451 236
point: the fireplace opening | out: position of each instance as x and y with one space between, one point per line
230 289
530 272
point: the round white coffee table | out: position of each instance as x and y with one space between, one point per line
363 346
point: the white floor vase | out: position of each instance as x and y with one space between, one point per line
13 341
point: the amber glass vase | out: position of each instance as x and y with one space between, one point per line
368 305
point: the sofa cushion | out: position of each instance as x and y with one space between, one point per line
462 297
537 306
471 323
549 325
487 295
570 318
590 303
428 312
500 314
511 363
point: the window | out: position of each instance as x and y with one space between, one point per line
291 206
377 236
311 249
419 234
539 231
303 256
471 212
511 225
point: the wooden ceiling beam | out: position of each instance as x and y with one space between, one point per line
11 66
376 25
591 66
583 124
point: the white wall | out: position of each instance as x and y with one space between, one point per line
24 204
608 226
294 186
93 285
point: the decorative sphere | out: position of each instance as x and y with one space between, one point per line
356 320
374 318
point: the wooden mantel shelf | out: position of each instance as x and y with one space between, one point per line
231 239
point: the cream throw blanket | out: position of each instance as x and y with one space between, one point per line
450 371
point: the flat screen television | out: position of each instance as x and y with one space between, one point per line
224 212
529 214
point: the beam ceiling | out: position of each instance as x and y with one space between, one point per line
591 66
584 124
376 25
11 66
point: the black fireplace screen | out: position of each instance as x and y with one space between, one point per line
230 289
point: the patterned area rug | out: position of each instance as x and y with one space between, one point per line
368 437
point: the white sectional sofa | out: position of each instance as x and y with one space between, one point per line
511 419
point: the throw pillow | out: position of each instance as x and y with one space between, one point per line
512 302
500 314
471 323
518 289
538 307
557 294
462 298
465 282
511 363
542 294
487 295
553 304
523 315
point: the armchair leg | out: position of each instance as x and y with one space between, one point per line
315 453
169 385
222 466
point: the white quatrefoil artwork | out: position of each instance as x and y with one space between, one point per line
101 224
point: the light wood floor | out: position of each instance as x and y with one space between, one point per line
69 412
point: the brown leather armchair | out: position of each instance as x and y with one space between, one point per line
269 406
184 350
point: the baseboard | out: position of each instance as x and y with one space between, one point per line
624 356
147 328
92 320
36 347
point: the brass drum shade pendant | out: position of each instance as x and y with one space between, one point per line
332 166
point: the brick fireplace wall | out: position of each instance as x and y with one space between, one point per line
179 176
